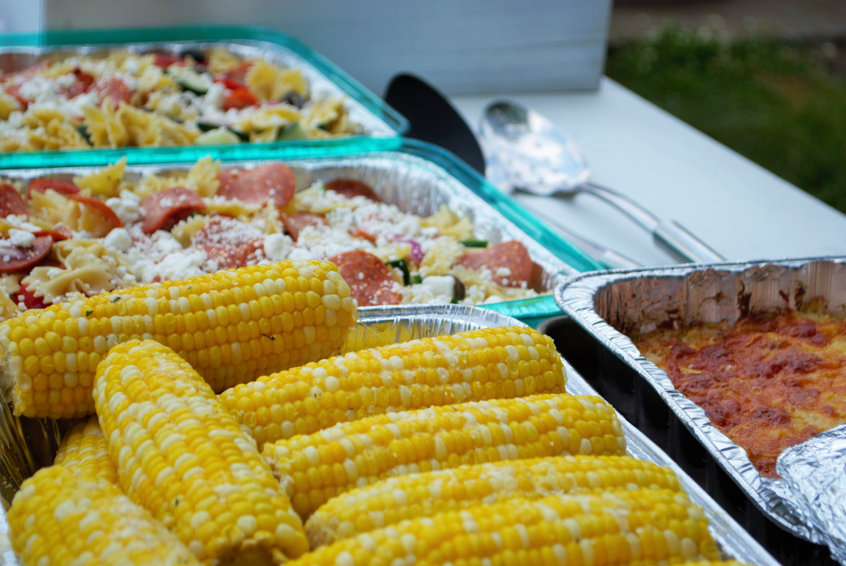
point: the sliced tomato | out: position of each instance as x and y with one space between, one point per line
162 210
294 223
237 73
229 83
11 201
16 258
41 184
230 242
15 92
512 257
81 84
371 281
272 182
239 98
352 188
113 89
165 60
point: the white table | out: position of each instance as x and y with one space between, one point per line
740 209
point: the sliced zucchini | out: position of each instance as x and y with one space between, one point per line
293 131
403 267
205 126
219 136
474 243
189 79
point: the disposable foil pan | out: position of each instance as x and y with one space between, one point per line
410 182
385 325
610 305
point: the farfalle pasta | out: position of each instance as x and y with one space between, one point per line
129 99
67 237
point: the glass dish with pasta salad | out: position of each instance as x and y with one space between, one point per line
69 235
151 98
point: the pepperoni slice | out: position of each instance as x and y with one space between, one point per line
162 210
11 201
95 217
28 298
165 60
41 184
230 242
358 232
58 233
351 188
295 222
15 92
511 255
17 258
274 182
113 89
371 281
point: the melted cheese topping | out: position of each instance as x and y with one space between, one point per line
766 384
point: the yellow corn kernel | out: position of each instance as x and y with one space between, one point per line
468 366
159 312
641 526
84 449
396 499
183 457
60 516
316 467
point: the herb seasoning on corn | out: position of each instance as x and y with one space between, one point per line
183 457
314 468
502 362
231 326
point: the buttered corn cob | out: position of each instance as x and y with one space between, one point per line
183 457
314 468
482 364
61 516
409 496
84 449
231 326
642 526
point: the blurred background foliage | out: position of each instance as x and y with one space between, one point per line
781 104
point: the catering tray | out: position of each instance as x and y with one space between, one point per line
18 51
384 325
417 178
601 307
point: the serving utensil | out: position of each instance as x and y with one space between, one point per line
524 151
433 119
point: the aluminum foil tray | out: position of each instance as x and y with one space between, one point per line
375 117
385 325
605 306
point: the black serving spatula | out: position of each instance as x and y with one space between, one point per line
433 119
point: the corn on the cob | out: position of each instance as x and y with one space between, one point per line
61 516
314 468
183 457
396 499
232 326
643 526
84 449
491 363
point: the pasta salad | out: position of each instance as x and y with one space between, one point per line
63 237
195 97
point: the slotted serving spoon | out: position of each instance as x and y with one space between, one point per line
524 151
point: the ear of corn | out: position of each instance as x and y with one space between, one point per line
396 499
642 526
61 516
316 467
84 449
183 457
482 364
232 326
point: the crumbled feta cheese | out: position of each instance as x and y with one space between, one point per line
118 239
277 246
127 207
21 238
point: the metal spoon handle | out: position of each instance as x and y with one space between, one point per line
668 233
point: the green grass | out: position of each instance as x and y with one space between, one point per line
779 105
